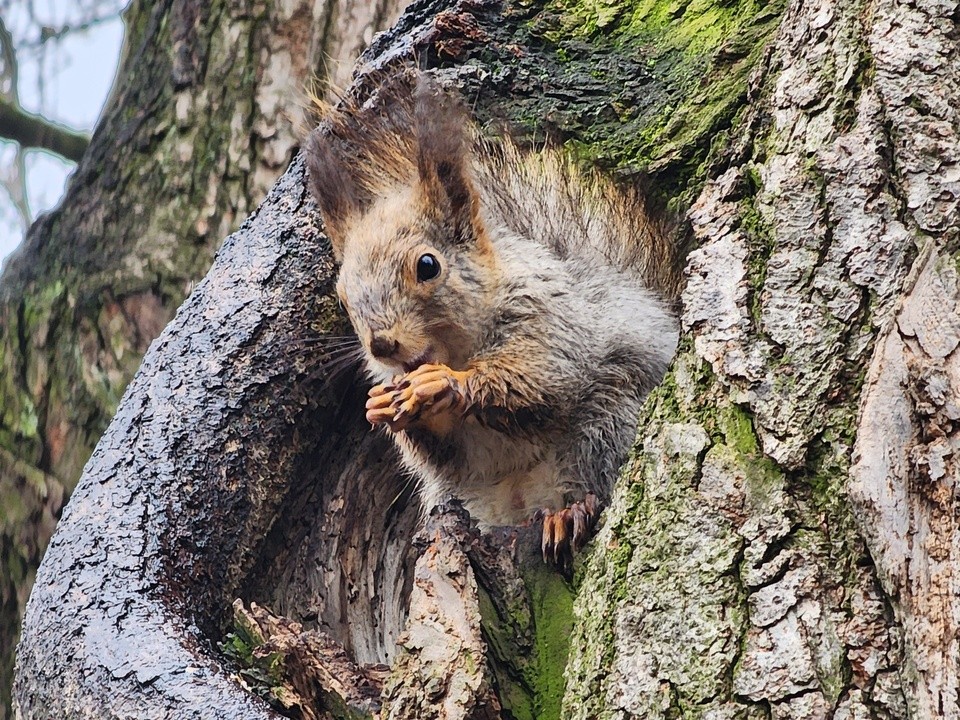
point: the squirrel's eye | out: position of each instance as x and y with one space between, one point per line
428 267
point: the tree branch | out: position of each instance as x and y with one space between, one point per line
13 180
35 131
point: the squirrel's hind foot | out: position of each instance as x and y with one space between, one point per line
566 532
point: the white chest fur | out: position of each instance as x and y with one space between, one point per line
502 480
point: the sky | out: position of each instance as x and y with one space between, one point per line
70 86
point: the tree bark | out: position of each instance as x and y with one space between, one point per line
206 112
781 543
785 542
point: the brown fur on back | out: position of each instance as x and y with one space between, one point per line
544 194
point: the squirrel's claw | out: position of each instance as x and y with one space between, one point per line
567 531
378 405
430 390
382 389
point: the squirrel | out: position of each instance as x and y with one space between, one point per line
513 311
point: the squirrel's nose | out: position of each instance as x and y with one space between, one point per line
382 346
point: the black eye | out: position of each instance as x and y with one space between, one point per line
428 267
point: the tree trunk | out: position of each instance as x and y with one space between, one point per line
785 543
205 113
781 543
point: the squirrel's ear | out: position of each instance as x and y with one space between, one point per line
334 186
443 157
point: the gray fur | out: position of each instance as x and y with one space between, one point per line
604 341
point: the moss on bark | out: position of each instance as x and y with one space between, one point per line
697 57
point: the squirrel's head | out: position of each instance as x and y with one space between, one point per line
395 188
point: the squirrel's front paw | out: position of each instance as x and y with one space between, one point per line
425 395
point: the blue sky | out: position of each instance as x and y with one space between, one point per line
76 77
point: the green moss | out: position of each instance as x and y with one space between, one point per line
826 474
515 691
553 624
737 428
531 689
263 675
26 331
37 308
696 55
649 559
760 241
739 435
13 510
29 422
664 397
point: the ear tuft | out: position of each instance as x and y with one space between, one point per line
444 156
407 128
334 185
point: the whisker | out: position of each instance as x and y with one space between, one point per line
337 375
410 479
339 358
298 347
322 342
321 356
327 338
332 367
345 350
324 351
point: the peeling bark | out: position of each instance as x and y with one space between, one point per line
905 476
324 681
440 671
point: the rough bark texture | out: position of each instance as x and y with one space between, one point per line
783 540
205 114
784 544
226 473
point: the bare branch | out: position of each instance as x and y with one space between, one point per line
13 179
49 33
35 131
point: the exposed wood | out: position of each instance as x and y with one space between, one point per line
324 681
440 672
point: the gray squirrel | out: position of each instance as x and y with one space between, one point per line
513 311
